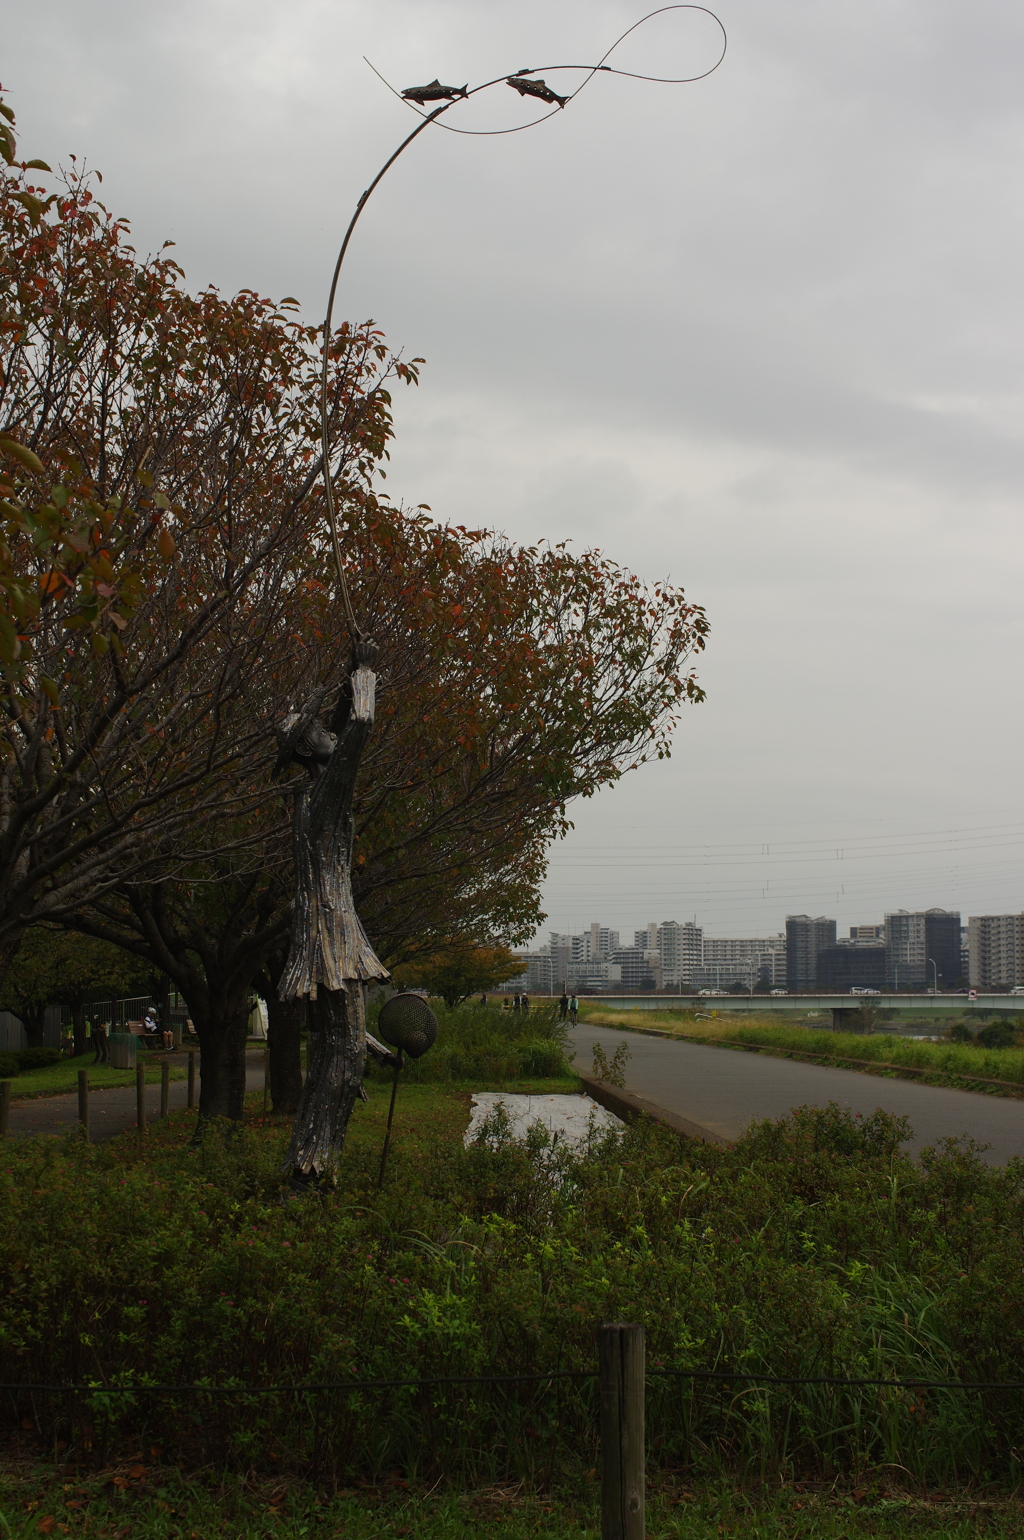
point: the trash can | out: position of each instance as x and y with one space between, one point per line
123 1048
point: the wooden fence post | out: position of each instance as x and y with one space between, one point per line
83 1102
5 1106
140 1098
621 1364
165 1089
191 1077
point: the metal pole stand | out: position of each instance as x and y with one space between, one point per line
140 1098
621 1364
391 1115
191 1077
83 1103
165 1089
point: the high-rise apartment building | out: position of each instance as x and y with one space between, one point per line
640 967
850 965
905 950
922 948
603 942
805 937
942 944
745 961
996 950
681 950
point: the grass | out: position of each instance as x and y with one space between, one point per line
486 1044
55 1079
943 1063
151 1502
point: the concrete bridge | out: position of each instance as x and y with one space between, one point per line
845 1009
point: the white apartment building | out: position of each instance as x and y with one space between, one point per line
680 949
996 950
906 949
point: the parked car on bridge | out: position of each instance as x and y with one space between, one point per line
780 991
856 989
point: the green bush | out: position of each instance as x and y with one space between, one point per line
813 1247
37 1058
998 1034
9 1066
487 1044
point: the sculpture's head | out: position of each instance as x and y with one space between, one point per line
302 738
315 745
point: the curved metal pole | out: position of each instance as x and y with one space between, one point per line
429 118
324 437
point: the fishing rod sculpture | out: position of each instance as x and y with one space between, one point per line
331 963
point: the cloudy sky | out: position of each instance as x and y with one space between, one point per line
761 334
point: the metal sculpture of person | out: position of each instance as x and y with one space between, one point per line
331 961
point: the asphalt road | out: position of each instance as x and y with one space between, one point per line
725 1090
112 1111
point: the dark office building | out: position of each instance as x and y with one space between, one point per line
942 946
805 938
850 965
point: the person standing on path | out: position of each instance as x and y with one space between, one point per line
101 1048
563 1006
574 1011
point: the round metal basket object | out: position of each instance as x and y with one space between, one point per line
408 1023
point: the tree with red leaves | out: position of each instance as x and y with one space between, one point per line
169 593
158 515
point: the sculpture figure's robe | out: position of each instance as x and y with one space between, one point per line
331 961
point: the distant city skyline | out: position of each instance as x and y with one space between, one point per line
748 886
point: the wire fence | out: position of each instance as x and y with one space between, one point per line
423 1382
539 1425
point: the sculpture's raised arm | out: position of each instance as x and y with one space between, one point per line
357 694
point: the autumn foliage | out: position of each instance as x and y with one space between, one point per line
167 591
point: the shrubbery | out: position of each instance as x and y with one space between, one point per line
18 1059
487 1044
37 1058
812 1247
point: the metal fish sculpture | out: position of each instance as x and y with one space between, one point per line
535 88
435 92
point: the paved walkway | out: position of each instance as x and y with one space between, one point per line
111 1111
725 1089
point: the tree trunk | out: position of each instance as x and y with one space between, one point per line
161 990
285 1019
222 1034
33 1018
78 1027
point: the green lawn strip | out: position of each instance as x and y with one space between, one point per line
162 1504
55 1079
998 1070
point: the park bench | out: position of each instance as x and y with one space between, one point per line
148 1039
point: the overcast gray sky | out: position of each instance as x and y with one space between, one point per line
761 334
